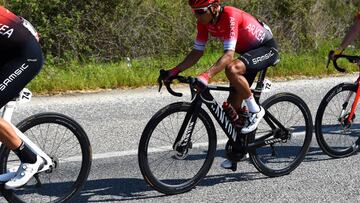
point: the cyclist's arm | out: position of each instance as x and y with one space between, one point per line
191 59
221 64
351 35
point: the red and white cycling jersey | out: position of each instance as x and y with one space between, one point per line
238 30
8 22
14 28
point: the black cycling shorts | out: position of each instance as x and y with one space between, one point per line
260 58
18 66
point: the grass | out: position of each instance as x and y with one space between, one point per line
77 76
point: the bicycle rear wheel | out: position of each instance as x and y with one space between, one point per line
65 141
164 168
335 136
281 157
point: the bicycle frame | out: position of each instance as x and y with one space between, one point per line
217 111
25 96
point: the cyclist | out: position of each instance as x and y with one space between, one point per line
241 33
20 61
350 36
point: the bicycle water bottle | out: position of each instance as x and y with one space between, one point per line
230 111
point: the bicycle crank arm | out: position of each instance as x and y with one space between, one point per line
38 182
6 177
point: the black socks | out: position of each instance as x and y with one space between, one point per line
25 154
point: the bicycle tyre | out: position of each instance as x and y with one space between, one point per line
33 127
281 158
174 185
333 143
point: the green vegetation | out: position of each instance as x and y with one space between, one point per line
144 72
85 42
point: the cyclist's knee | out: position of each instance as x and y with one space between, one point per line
3 125
236 67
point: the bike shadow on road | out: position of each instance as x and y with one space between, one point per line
315 154
116 190
135 188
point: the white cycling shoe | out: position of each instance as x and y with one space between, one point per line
253 121
227 164
24 173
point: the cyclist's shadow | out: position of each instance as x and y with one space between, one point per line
124 189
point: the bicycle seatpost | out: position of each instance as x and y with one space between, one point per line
259 85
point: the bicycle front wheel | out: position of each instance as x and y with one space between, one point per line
335 135
166 169
279 158
65 141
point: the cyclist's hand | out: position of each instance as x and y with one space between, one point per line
202 81
168 75
334 53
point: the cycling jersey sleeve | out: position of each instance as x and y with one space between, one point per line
358 15
202 37
231 33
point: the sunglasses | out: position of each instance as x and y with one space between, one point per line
201 11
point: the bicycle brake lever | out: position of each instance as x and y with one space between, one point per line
159 80
329 58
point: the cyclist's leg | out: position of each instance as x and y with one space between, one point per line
17 72
242 71
234 72
234 98
14 75
256 60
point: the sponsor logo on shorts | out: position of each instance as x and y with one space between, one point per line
13 76
262 58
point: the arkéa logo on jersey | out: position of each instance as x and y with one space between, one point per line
13 76
5 30
232 28
256 31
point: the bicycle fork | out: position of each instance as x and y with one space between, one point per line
182 145
354 105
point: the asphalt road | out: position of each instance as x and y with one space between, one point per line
114 121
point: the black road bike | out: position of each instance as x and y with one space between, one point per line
178 144
337 129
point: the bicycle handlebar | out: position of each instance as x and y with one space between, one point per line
182 79
351 59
